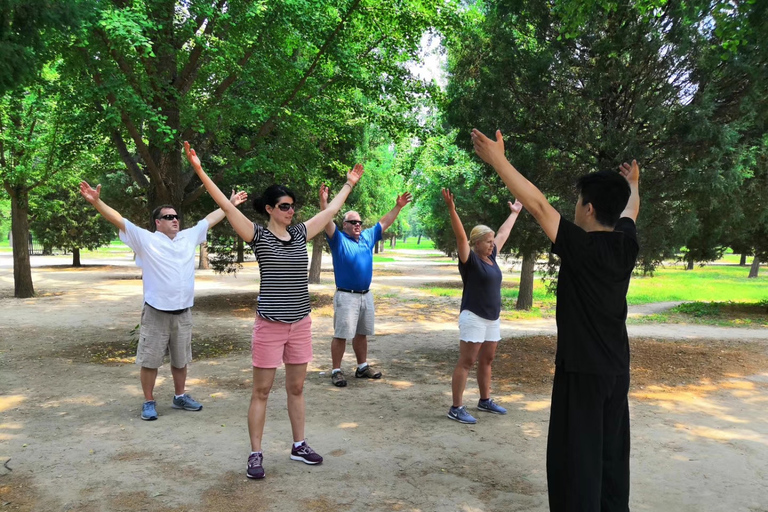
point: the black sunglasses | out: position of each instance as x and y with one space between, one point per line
169 216
284 207
355 222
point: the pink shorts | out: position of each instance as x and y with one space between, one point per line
277 342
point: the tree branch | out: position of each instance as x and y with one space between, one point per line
133 168
270 123
132 130
183 81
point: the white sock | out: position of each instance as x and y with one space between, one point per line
362 366
178 396
335 370
296 444
259 452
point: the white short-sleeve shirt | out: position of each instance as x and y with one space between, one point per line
168 264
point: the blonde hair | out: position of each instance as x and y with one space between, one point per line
477 233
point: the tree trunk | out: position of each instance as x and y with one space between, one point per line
203 263
525 295
743 260
418 240
690 264
393 242
317 258
240 250
755 268
76 257
381 245
22 269
376 249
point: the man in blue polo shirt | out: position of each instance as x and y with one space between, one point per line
353 315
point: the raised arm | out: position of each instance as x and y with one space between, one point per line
216 216
503 233
388 219
632 173
526 192
242 224
330 228
321 220
462 244
93 196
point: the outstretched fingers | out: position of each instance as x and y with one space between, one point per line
89 193
354 175
448 198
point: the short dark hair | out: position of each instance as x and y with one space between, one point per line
270 197
608 191
156 214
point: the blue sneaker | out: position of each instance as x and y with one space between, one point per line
148 411
187 403
461 415
490 406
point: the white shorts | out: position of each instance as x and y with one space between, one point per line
476 329
352 314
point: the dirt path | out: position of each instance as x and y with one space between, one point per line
71 430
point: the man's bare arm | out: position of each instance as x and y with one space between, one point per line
217 216
526 192
93 196
389 219
632 173
330 228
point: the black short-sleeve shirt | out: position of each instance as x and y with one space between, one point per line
592 297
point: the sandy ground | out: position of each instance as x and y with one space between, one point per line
71 438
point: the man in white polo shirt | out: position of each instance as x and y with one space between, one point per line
167 259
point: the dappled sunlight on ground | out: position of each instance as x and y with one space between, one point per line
716 434
10 401
537 405
347 425
399 384
80 400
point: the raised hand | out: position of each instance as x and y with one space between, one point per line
491 151
238 198
92 195
448 198
354 175
630 171
516 207
323 196
404 199
192 156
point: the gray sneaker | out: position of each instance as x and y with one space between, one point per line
338 379
461 415
490 406
255 466
187 403
148 411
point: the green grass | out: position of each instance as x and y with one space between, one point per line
382 259
425 245
739 301
705 284
723 314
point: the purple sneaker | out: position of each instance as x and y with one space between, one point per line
305 454
255 469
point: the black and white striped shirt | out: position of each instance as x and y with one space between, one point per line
284 293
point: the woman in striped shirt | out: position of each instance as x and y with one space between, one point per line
282 331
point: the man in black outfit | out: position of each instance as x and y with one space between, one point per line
588 442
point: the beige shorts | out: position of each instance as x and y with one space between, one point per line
352 314
164 333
